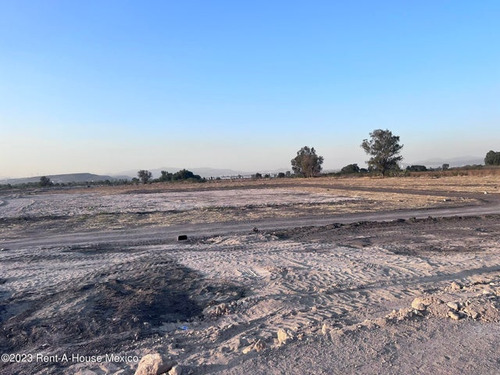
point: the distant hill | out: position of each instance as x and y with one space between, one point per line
64 178
453 162
128 175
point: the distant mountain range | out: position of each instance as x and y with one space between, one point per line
453 162
64 178
127 175
214 172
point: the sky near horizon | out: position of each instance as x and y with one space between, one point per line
111 86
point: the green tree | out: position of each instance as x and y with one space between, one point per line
384 149
165 176
416 168
144 176
45 181
351 168
307 163
492 158
184 174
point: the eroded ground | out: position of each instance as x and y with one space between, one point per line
363 297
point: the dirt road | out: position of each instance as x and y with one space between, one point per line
487 205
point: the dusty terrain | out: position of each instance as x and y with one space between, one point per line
360 276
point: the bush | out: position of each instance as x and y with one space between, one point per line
349 169
45 181
416 168
184 174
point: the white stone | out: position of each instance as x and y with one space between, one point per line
153 364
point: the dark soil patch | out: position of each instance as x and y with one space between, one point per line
106 312
408 237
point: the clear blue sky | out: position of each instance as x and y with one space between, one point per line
107 86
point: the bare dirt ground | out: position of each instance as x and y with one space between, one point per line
362 276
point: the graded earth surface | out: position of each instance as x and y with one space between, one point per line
316 276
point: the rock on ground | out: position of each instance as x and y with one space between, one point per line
154 364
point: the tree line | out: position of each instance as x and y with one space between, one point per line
384 149
145 176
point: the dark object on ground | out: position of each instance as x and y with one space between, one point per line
182 237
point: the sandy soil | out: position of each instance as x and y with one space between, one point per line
399 296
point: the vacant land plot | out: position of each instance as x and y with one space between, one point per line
256 288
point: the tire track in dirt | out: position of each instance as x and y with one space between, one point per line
294 285
299 287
